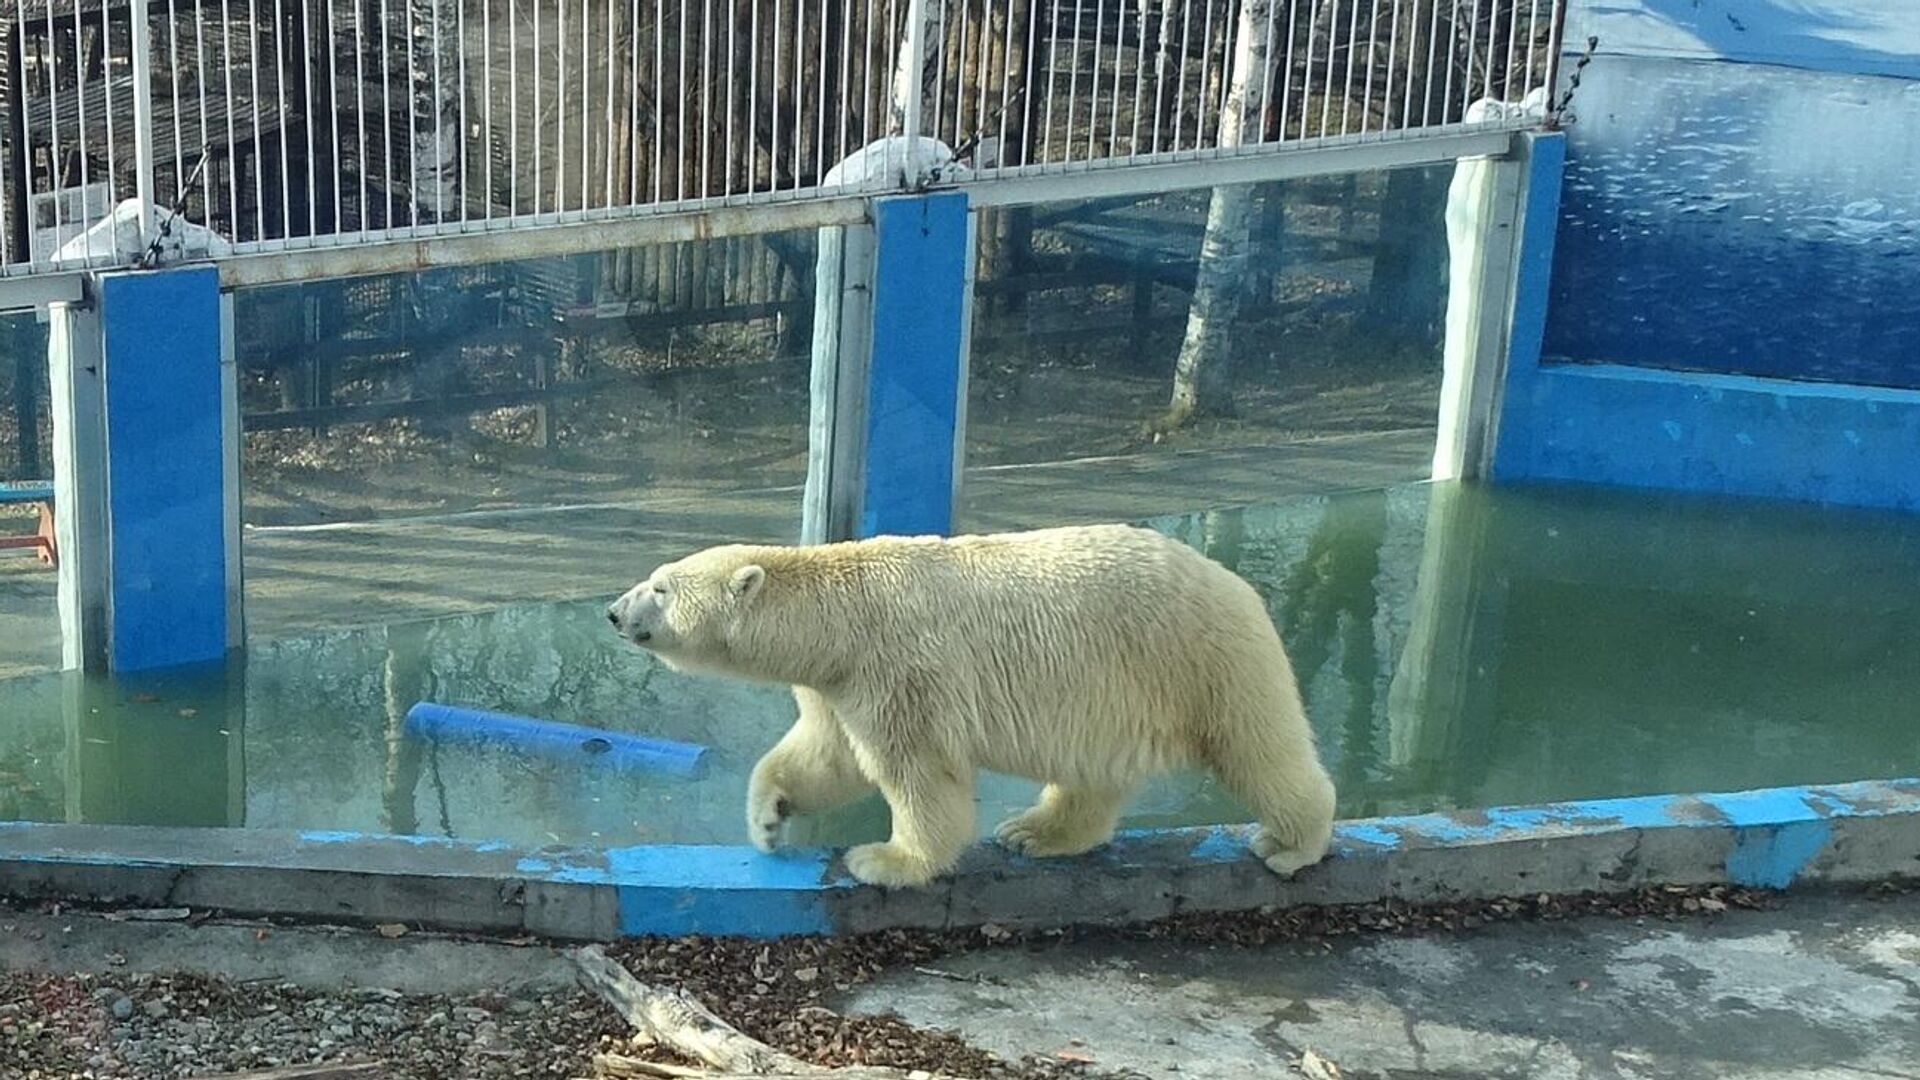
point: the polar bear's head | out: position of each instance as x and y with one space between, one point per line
688 612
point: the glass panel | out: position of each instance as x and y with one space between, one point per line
452 441
29 622
1468 646
1457 646
1319 365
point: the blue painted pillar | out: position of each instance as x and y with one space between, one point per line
916 375
170 533
1545 163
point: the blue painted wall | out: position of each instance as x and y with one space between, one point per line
1730 298
1743 190
1726 434
167 600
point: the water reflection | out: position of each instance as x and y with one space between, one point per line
1457 646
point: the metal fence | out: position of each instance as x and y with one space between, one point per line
265 125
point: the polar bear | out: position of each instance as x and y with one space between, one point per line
1087 658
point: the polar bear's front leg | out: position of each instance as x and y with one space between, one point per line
932 804
812 769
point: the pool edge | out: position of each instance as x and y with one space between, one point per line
1766 838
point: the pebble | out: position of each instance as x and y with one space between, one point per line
122 1008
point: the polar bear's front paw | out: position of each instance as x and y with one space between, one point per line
768 809
887 865
1280 859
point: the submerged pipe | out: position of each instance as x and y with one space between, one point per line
618 749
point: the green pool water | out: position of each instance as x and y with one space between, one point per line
1458 646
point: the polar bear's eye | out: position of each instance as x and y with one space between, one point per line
660 589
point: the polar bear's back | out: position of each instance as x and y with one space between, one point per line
1120 577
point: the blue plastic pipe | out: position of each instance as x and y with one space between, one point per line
616 749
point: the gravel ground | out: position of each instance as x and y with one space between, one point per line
170 1026
783 992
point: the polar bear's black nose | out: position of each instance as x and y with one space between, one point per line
613 617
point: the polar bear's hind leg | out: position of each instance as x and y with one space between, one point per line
1066 821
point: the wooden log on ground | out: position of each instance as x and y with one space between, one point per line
333 1070
617 1065
674 1020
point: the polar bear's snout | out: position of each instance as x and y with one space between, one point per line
632 617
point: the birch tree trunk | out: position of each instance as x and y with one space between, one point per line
1203 376
433 184
433 69
909 71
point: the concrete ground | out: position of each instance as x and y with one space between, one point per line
1822 986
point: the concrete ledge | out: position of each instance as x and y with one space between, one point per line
1770 838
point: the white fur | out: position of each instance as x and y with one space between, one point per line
1088 658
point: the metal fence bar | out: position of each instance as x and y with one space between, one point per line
1203 83
80 102
204 134
106 86
636 120
799 82
1353 50
141 55
583 82
1073 76
17 66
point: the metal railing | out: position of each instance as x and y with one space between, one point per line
250 126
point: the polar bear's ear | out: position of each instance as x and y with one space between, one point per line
746 580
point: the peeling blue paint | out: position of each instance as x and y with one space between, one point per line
1773 856
1507 823
1372 834
667 890
336 836
1769 806
1221 844
571 873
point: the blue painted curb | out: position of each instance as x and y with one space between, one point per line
1770 838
